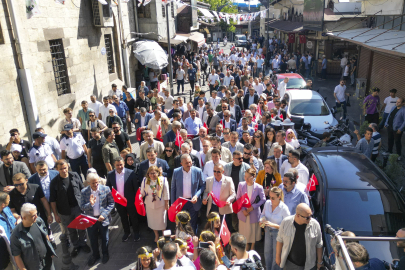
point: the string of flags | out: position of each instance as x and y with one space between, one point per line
238 18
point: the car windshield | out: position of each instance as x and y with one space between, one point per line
294 83
308 107
366 212
242 38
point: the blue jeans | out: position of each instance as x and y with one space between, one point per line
381 125
270 249
93 233
180 82
258 70
343 105
79 165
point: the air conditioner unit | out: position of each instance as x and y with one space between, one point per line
102 14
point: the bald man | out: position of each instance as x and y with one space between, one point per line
307 236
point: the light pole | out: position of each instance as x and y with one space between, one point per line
249 26
169 49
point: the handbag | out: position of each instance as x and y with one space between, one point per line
347 102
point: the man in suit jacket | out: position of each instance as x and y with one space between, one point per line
188 182
101 210
235 109
226 154
281 111
225 191
152 161
198 141
211 120
138 118
251 98
170 136
124 181
234 144
278 157
150 142
228 122
43 172
266 118
186 149
8 168
280 140
195 101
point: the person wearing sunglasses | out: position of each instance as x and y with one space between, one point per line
293 192
274 212
84 116
307 236
94 122
112 117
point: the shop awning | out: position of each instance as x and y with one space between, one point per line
384 40
286 26
173 41
206 12
198 38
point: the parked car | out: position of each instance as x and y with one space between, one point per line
240 40
354 194
311 107
295 80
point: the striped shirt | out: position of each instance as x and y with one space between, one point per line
377 139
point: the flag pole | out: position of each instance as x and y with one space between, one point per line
222 225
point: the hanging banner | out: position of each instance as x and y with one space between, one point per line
32 8
291 38
263 14
216 15
303 39
227 19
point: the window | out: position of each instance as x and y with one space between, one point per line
109 52
144 11
308 107
59 67
163 10
172 9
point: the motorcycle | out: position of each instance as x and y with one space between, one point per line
225 42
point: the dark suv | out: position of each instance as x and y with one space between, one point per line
354 194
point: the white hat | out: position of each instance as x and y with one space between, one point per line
287 122
277 123
264 96
16 147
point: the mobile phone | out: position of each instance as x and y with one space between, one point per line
226 261
204 245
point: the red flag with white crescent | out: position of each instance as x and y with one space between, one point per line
225 234
159 134
179 140
219 203
241 202
175 208
140 206
82 222
118 198
312 183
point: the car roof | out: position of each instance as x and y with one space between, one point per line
289 75
304 94
350 170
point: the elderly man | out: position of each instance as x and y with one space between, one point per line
234 144
170 136
9 168
280 140
292 194
278 157
251 98
188 182
74 147
150 142
209 165
299 232
293 161
211 119
186 149
193 123
97 201
395 125
65 196
228 122
125 182
198 142
29 241
42 151
155 122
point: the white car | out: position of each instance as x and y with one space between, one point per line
311 106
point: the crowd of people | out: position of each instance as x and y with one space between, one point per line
237 143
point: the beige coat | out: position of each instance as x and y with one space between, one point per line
226 155
227 193
159 147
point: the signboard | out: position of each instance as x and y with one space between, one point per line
313 14
309 44
194 15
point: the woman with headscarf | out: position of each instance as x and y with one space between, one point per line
155 189
131 162
291 139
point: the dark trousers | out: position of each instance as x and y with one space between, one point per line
374 157
124 123
394 137
77 237
101 169
93 232
153 85
132 115
47 263
192 85
85 134
128 214
211 88
385 116
189 207
323 73
79 165
180 82
343 105
372 118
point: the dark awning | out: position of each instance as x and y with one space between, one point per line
286 26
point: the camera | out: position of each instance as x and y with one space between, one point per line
252 265
394 265
167 234
203 245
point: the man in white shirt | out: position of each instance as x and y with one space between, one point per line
211 79
282 88
293 161
180 74
168 101
340 96
154 123
238 247
209 166
201 108
104 110
94 104
115 91
259 88
343 63
389 103
275 63
205 147
227 79
170 255
214 100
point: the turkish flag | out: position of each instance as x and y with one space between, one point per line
281 116
225 234
140 206
175 208
82 222
312 183
118 198
259 110
256 127
291 38
241 202
179 140
222 122
205 125
138 134
159 134
303 39
219 203
221 51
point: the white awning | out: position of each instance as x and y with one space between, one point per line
206 12
198 38
182 38
384 40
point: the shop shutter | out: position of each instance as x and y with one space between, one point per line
387 73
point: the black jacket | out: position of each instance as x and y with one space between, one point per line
58 192
131 185
177 161
246 100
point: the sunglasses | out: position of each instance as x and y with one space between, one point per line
249 154
217 172
258 136
226 133
116 127
91 115
239 158
167 150
307 218
19 185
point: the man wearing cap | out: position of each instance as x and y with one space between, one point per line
74 147
16 139
16 150
41 151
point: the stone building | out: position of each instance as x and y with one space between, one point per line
65 57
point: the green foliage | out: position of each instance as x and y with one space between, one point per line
228 8
363 127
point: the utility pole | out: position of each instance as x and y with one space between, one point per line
249 26
169 48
